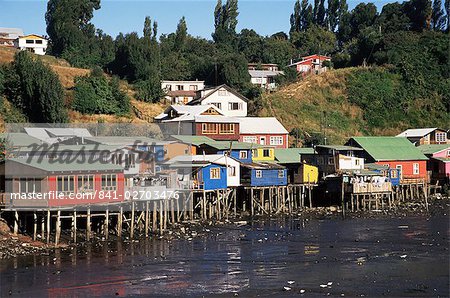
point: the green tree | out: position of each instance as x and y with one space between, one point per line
419 12
437 16
72 35
316 40
332 14
225 22
180 35
250 45
362 16
321 11
344 28
36 90
447 10
295 19
393 18
233 71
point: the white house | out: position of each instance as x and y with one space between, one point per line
264 79
181 92
350 162
8 35
263 131
225 98
32 43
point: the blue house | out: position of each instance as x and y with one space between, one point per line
211 177
384 170
238 150
263 174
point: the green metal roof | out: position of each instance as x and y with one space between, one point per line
223 145
20 139
433 148
291 155
389 148
339 147
194 140
61 166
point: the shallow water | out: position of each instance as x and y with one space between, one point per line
371 257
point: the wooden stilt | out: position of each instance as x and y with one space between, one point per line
43 227
34 226
16 222
132 221
58 228
251 202
147 218
88 224
48 225
106 229
155 216
119 222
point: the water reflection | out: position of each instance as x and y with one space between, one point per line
357 256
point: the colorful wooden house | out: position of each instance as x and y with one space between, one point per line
392 173
267 131
33 182
396 153
332 159
297 171
439 161
263 174
240 151
426 136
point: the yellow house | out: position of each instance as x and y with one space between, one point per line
263 154
310 174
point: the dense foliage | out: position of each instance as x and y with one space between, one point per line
35 90
94 94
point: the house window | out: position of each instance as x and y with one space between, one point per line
441 137
29 185
255 153
193 87
258 174
416 169
400 168
448 153
280 173
29 41
109 182
38 41
179 87
331 160
130 161
234 106
357 162
243 154
394 174
85 183
226 128
232 171
217 105
276 140
185 100
214 173
250 139
169 87
266 153
223 93
209 128
66 184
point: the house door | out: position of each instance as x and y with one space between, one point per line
262 140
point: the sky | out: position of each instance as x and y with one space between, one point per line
264 16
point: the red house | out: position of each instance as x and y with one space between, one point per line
263 131
395 152
46 183
311 64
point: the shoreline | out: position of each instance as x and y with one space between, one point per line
13 246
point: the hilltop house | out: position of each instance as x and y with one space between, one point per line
225 98
263 75
181 92
32 43
263 131
439 161
426 136
312 64
9 35
394 152
201 120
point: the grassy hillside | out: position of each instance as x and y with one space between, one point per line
351 102
141 111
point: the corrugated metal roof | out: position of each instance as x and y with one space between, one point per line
19 139
340 147
264 73
389 148
433 148
48 165
291 155
416 132
194 140
260 125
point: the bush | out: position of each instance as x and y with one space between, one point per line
94 94
149 90
35 90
